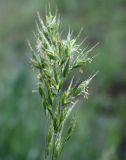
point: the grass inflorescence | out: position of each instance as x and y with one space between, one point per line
54 59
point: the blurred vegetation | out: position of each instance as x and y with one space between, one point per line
101 130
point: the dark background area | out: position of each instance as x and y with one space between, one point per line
101 127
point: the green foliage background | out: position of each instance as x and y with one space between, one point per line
100 133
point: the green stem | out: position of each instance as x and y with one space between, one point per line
53 149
